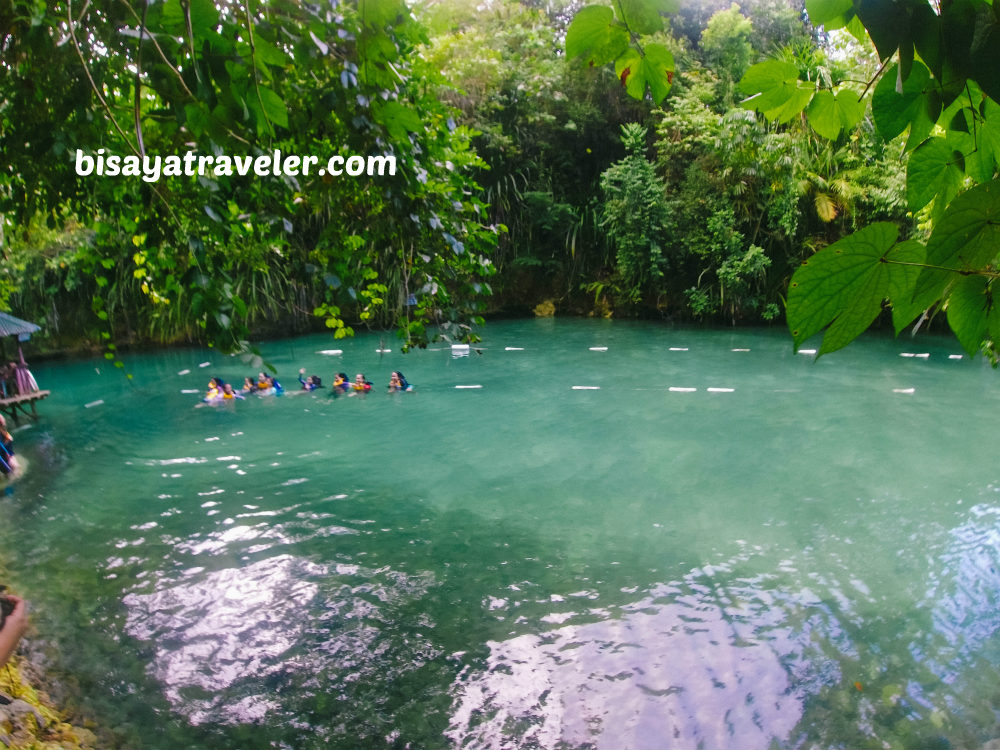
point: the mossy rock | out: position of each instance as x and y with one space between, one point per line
546 309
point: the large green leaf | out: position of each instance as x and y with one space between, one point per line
925 29
775 90
914 107
829 113
595 36
988 133
642 16
398 120
971 312
985 54
655 68
843 285
935 169
377 14
831 14
274 107
204 17
903 279
966 239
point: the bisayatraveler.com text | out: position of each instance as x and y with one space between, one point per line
151 168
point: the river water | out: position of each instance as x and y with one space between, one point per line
590 550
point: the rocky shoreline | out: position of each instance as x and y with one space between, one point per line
29 718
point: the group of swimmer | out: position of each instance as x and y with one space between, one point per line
268 385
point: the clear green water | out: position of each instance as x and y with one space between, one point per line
525 564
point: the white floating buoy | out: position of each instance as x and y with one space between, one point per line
923 355
741 350
720 390
190 390
955 356
383 351
678 348
807 351
586 387
184 372
676 389
204 364
330 351
598 348
468 386
94 403
904 390
513 348
907 354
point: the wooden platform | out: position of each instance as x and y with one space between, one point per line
11 406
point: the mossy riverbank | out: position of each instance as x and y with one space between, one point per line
29 718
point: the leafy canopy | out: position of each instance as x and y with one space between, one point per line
940 84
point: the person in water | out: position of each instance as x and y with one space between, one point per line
398 384
229 393
361 383
214 389
8 463
341 384
249 386
15 622
311 383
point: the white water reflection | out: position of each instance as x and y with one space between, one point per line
688 665
227 626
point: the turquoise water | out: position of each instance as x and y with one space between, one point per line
808 557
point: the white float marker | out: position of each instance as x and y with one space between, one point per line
598 348
190 390
205 364
741 350
383 351
678 348
94 403
184 372
468 386
720 390
513 348
923 355
586 387
330 352
904 390
677 389
955 356
907 354
807 351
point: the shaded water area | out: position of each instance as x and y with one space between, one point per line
806 556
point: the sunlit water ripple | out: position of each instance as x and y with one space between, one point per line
805 556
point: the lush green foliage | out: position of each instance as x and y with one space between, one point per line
501 117
217 254
943 93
